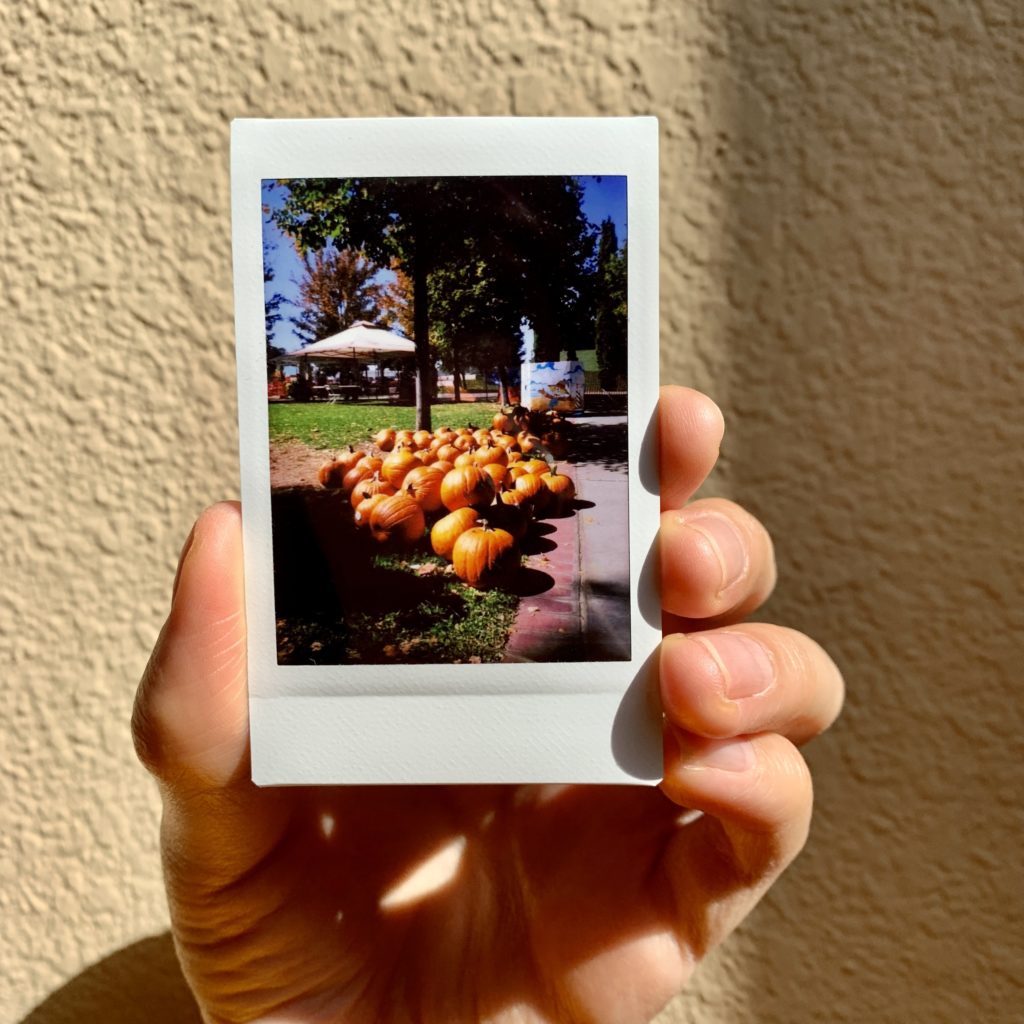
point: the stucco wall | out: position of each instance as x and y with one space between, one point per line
842 242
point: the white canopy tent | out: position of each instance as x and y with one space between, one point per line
362 342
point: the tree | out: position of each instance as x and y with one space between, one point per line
543 244
610 325
336 291
528 233
271 306
411 220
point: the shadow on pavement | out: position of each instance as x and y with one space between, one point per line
601 444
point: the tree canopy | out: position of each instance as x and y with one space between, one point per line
480 256
336 291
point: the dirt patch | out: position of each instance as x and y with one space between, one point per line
293 464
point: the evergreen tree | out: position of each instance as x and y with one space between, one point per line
610 326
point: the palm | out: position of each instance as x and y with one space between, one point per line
569 903
560 899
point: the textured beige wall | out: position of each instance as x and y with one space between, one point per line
842 243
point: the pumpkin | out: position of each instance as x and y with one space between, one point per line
520 416
332 473
404 437
423 485
488 453
385 439
464 443
355 474
448 453
531 486
526 441
514 519
364 508
397 518
557 443
368 487
463 431
536 466
561 489
447 530
514 457
427 457
444 433
422 438
514 472
439 441
483 556
481 436
496 471
465 459
467 485
396 465
502 421
506 441
516 499
445 467
370 462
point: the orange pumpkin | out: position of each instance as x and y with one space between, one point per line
481 435
488 453
445 467
364 508
397 518
385 439
467 485
424 486
514 472
332 473
404 437
439 441
514 519
358 472
532 487
427 457
397 464
516 499
514 457
448 453
465 459
370 462
368 487
447 530
422 438
526 441
496 471
502 421
506 441
464 443
561 488
536 466
483 556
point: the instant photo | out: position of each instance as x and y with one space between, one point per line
447 353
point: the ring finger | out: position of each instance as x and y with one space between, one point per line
749 678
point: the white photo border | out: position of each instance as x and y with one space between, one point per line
559 722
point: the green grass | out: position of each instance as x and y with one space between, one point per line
322 425
440 620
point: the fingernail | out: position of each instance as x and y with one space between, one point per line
726 541
726 756
746 665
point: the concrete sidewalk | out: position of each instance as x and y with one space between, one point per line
578 566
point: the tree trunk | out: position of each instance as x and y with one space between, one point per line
456 377
503 385
421 330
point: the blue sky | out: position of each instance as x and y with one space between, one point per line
602 197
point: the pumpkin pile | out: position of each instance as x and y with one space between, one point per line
475 489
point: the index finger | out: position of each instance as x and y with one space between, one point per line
690 429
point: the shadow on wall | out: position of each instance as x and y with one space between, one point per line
140 984
872 322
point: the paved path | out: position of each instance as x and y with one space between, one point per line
582 559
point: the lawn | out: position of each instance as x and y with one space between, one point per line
323 425
341 599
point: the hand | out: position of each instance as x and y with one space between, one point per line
570 903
